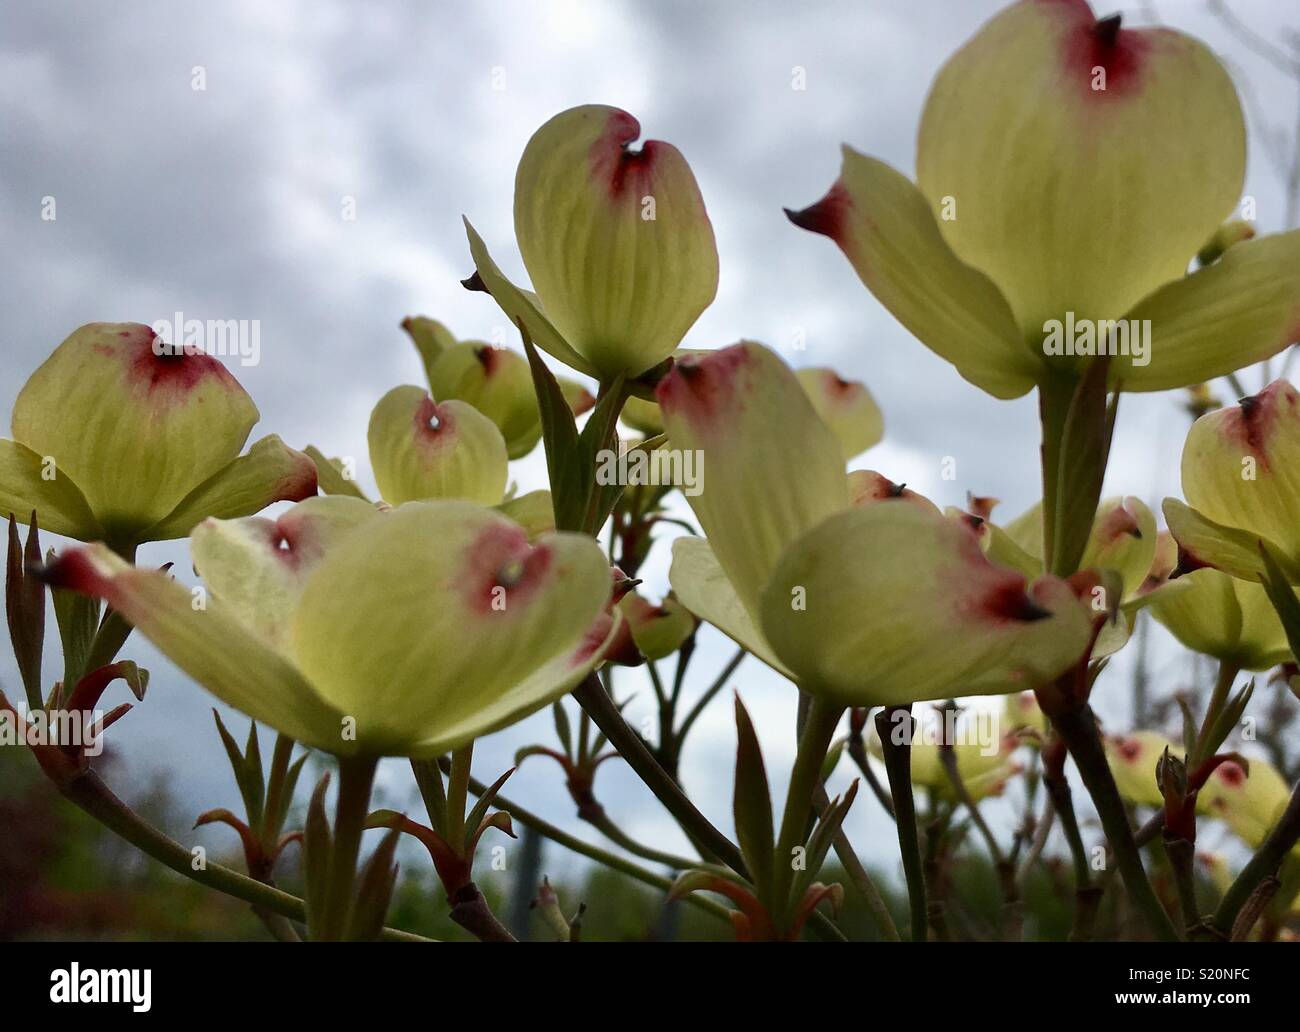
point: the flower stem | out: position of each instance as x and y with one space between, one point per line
593 698
718 684
858 875
356 776
898 765
601 856
1218 699
805 778
600 820
1078 729
90 794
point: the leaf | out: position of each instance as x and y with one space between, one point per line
822 838
559 440
562 727
77 616
330 476
248 780
374 891
601 434
476 815
317 844
287 790
752 805
1283 597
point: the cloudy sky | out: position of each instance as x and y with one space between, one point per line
228 202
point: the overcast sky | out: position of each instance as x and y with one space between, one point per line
227 202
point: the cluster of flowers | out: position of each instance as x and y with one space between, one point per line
450 607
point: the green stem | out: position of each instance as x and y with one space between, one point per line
356 776
593 698
718 684
1078 729
819 726
898 765
602 856
1086 895
858 875
1218 699
1006 869
599 819
1182 855
90 794
1054 396
457 793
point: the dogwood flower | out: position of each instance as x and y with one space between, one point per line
616 241
408 632
873 604
1067 171
1239 476
118 437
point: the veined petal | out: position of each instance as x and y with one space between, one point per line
1085 164
890 236
1231 620
210 644
257 567
136 427
1241 466
58 503
455 608
847 407
889 603
703 588
542 687
770 468
534 511
497 382
520 306
616 241
270 472
430 337
422 449
1202 542
331 476
1241 310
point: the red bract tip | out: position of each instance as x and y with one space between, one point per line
1010 602
828 216
1093 47
615 164
700 388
